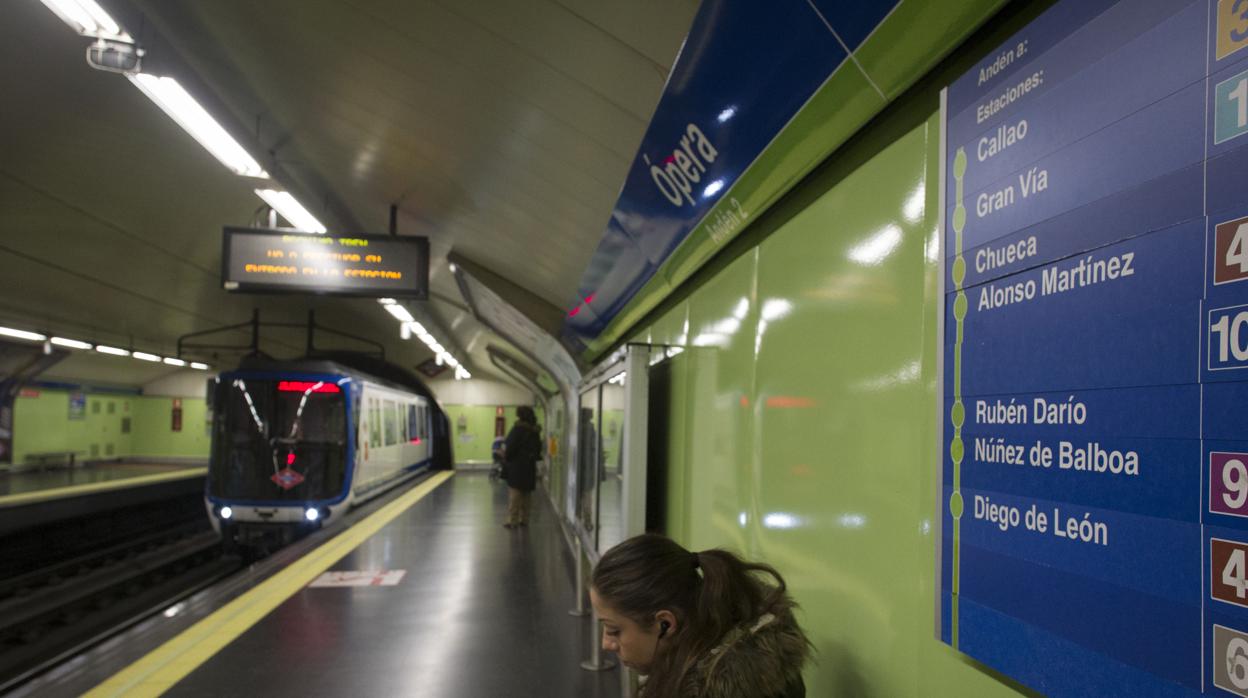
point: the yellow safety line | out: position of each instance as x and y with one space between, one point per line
13 500
173 661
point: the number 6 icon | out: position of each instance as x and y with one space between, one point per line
1237 661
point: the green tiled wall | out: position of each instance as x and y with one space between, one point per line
804 419
472 437
41 424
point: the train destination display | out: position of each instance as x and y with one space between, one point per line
361 265
1094 469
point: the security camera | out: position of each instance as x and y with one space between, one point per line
114 56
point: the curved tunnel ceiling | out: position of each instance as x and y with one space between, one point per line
501 130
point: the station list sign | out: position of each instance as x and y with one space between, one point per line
1094 510
362 265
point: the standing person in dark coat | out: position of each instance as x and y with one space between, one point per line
521 452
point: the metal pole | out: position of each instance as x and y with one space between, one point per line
311 332
579 611
596 661
255 330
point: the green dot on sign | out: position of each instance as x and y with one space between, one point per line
955 505
958 415
956 449
959 270
959 218
959 163
959 306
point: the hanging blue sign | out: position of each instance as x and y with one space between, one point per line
745 69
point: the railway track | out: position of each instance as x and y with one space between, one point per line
52 612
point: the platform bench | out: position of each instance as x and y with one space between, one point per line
50 459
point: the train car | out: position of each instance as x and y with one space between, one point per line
296 443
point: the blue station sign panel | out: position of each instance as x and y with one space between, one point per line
1094 516
745 70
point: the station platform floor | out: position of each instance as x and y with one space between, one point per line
479 611
22 487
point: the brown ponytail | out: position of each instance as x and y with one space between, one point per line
710 593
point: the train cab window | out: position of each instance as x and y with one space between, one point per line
392 423
402 424
262 427
413 426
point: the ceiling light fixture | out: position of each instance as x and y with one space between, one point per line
104 349
87 18
144 356
71 343
400 313
409 326
175 101
174 362
291 210
198 366
22 334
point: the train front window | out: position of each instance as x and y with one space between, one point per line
278 440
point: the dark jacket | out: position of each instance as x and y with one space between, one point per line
523 450
761 659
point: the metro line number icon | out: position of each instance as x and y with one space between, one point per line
1228 483
1228 338
1230 251
1232 26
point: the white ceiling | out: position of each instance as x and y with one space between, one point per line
501 129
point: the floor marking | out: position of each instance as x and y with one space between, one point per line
13 500
168 664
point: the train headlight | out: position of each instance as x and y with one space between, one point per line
226 512
311 514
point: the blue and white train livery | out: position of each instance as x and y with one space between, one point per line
295 443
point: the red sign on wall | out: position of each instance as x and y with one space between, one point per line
1230 246
1228 571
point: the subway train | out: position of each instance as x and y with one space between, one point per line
296 443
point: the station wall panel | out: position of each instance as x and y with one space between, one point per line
806 436
43 424
154 436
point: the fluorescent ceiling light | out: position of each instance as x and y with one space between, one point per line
182 108
291 210
71 343
86 17
144 356
400 313
198 366
111 350
174 362
386 301
22 334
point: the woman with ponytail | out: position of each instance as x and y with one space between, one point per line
704 624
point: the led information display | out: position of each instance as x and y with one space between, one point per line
361 265
1094 511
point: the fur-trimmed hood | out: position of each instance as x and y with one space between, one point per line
760 659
